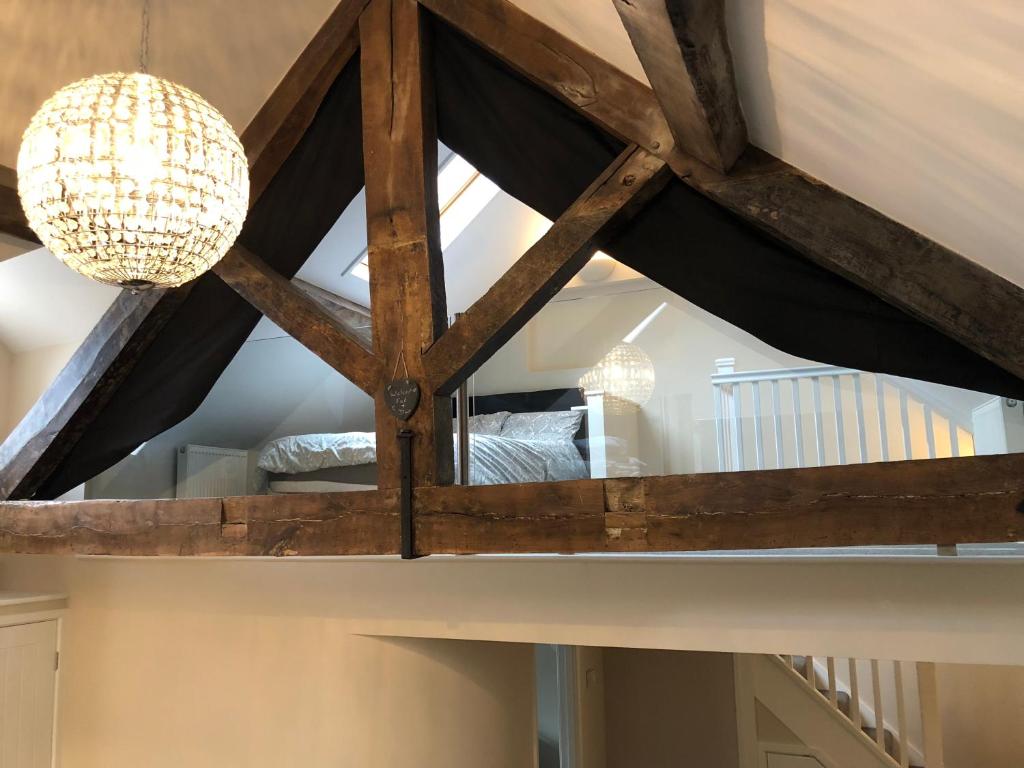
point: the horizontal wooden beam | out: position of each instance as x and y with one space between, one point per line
302 317
940 501
12 217
684 49
622 190
953 294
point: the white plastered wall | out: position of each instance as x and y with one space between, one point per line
198 657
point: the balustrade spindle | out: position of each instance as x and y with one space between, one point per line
780 459
876 686
719 426
929 430
736 401
833 686
755 389
862 437
901 714
883 427
855 715
954 439
837 404
908 451
819 434
798 425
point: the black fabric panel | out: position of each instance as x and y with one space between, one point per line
543 153
303 201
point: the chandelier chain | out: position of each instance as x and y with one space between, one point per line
144 42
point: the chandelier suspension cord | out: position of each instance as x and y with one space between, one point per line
144 42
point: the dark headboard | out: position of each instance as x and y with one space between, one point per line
530 402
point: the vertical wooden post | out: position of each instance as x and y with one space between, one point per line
407 297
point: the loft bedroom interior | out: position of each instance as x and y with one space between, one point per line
281 420
551 383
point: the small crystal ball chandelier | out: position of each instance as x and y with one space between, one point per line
133 180
625 375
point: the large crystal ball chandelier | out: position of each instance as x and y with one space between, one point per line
625 375
133 180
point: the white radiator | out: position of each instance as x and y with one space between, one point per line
204 471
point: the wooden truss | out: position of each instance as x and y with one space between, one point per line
691 125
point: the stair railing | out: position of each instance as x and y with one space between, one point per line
779 436
892 738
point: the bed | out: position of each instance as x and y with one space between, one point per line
517 437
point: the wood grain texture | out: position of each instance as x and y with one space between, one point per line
321 524
304 319
53 425
621 105
12 216
953 294
938 501
684 49
623 189
275 130
407 296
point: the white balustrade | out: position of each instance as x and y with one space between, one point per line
840 435
892 737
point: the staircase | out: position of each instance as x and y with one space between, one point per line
850 712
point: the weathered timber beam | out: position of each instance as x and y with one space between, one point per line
545 268
355 523
53 425
615 101
951 293
12 217
684 49
407 295
301 317
939 501
276 129
31 453
355 317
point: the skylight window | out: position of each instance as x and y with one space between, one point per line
462 193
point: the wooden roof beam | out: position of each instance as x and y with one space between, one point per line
614 197
301 316
953 294
407 296
684 49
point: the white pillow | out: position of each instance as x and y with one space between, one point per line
547 426
484 423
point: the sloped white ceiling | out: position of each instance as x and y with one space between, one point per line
912 106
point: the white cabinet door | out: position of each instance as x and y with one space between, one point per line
27 676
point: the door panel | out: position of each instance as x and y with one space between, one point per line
27 681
